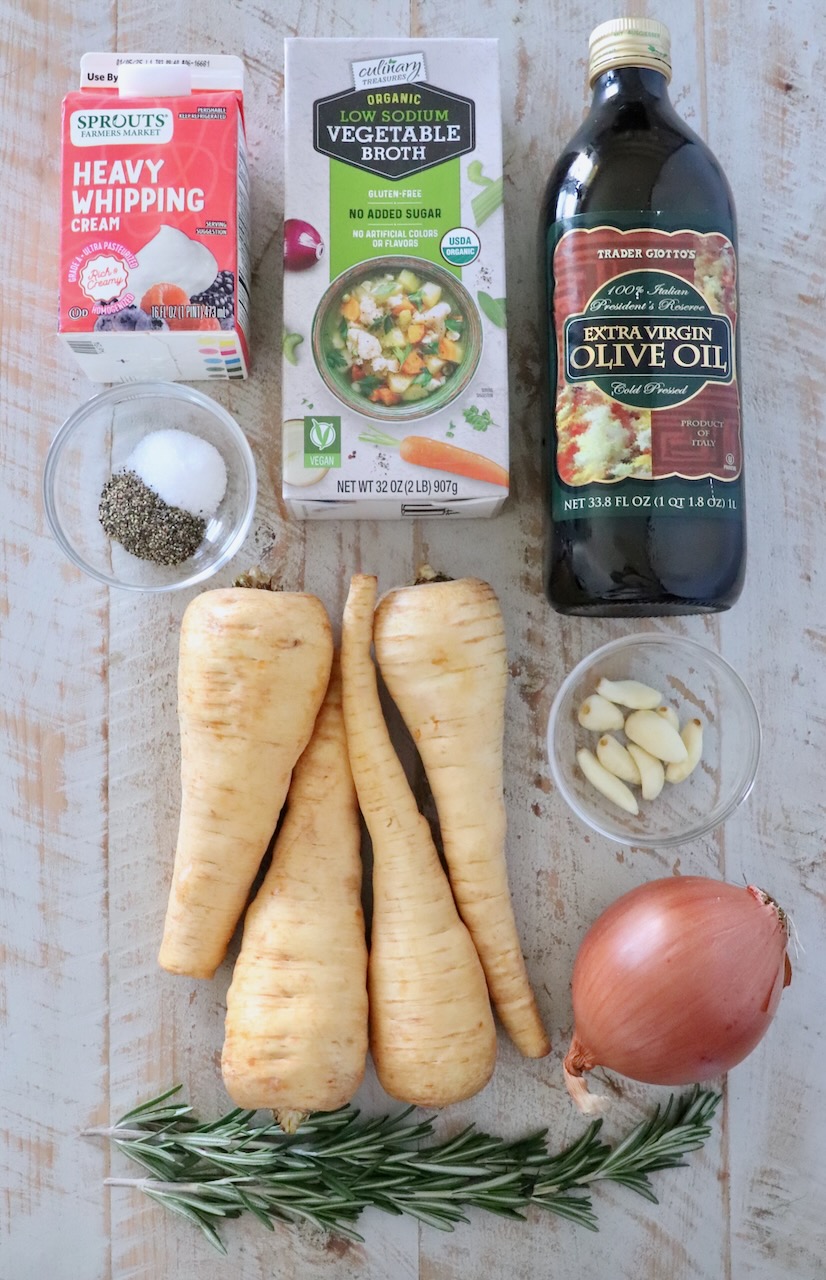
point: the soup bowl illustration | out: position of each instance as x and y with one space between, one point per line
396 338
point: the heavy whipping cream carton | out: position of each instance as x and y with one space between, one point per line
154 272
395 386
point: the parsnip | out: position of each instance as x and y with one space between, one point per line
442 652
252 673
296 1026
431 1029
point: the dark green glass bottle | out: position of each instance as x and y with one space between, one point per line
644 474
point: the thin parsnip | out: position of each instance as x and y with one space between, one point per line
296 1026
432 1035
442 653
253 669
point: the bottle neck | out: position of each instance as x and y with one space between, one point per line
626 84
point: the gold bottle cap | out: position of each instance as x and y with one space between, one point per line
629 42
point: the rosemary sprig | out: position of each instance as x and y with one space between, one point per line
338 1163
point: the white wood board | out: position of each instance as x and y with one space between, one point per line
88 756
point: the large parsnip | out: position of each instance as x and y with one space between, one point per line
296 1027
432 1035
253 669
442 653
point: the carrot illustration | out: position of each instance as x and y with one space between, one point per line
449 457
440 456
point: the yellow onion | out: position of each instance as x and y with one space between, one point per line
676 982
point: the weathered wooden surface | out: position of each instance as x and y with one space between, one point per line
89 1024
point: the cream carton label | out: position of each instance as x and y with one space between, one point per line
395 386
154 217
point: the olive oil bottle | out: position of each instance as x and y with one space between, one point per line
644 448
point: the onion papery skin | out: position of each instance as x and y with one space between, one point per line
677 981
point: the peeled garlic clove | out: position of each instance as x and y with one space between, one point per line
651 770
692 736
613 757
655 735
670 716
629 693
599 714
605 782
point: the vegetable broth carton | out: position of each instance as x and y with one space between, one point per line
155 208
395 387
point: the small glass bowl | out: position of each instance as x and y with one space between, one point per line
98 438
696 682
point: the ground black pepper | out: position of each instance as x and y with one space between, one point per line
133 515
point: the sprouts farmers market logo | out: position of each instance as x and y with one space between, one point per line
322 442
119 126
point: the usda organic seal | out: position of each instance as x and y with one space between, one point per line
460 246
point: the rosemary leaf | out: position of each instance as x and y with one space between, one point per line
257 1207
193 1216
151 1108
576 1209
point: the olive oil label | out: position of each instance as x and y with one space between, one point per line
645 352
